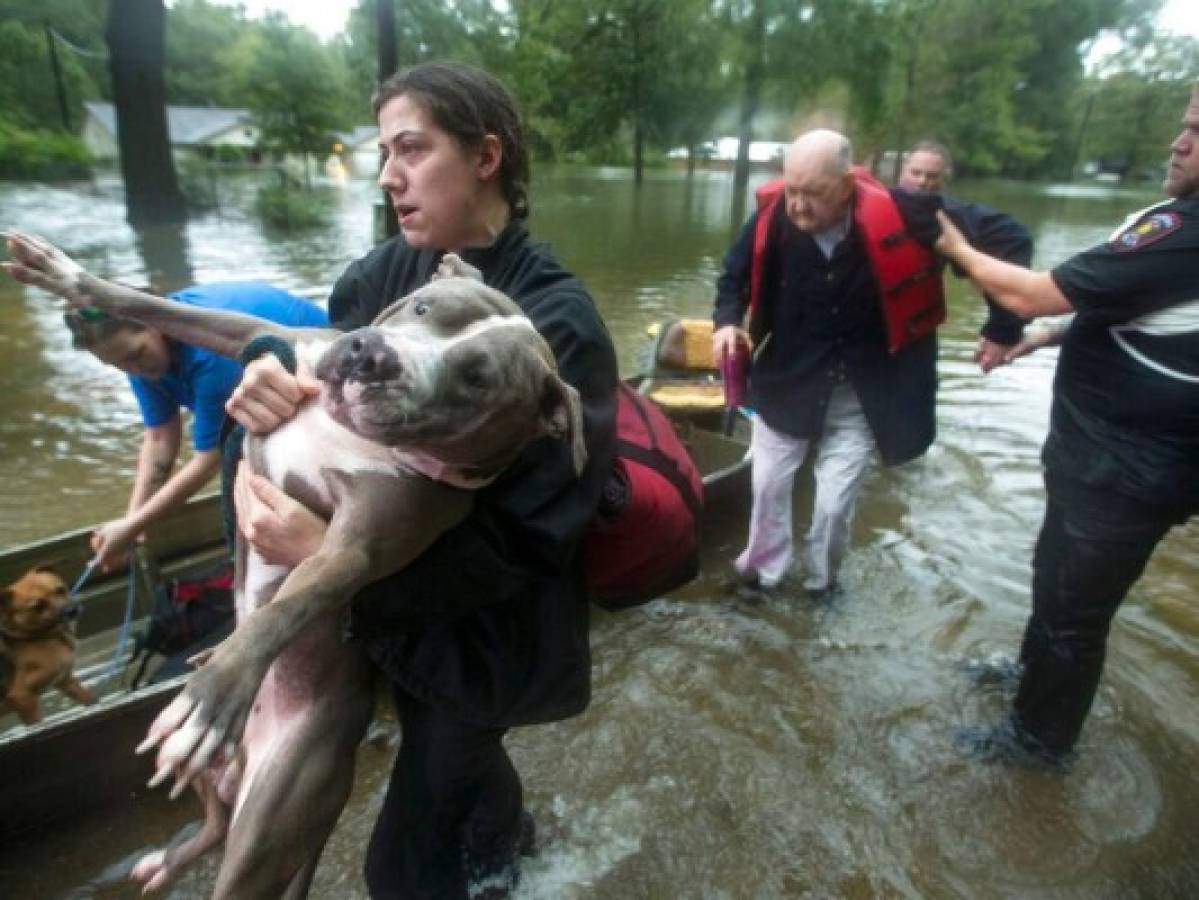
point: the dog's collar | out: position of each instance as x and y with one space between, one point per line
445 473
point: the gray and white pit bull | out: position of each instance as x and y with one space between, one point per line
436 397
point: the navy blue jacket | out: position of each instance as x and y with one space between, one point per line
821 323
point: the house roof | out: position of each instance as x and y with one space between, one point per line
185 124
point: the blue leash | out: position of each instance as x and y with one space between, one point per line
87 573
123 636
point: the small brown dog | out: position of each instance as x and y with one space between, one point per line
37 643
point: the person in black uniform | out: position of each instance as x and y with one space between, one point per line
488 628
1122 456
825 370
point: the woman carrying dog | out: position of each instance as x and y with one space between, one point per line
488 629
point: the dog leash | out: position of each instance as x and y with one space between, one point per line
126 625
73 594
123 636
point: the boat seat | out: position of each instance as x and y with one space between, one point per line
683 379
681 399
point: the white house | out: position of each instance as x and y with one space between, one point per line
191 129
724 150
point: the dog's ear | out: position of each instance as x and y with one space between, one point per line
454 266
6 597
562 416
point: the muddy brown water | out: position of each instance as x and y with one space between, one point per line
789 751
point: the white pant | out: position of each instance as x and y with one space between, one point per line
845 449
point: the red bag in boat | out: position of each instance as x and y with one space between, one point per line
645 540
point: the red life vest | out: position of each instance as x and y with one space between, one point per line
911 295
651 544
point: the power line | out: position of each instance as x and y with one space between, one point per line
76 49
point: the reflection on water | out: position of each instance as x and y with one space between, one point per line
791 751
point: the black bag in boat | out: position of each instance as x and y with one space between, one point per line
189 615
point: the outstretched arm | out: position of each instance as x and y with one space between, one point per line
1026 293
37 262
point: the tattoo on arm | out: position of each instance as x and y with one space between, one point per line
160 471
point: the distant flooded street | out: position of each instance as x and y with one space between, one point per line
791 751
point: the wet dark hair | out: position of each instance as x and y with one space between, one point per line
469 104
91 327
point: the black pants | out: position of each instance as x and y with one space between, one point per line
451 815
1093 545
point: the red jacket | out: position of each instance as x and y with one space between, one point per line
911 294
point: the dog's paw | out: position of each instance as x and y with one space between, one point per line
151 871
38 262
453 266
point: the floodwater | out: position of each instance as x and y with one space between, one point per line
789 751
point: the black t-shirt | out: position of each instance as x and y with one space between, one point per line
1126 394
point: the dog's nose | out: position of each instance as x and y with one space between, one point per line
361 355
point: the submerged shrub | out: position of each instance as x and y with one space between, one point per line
291 208
197 180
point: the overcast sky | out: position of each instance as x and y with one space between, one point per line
325 17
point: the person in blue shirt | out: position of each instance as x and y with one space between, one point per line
167 377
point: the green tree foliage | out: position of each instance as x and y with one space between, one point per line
205 53
1002 83
996 82
295 88
845 47
697 91
1053 73
80 27
1130 111
468 30
536 69
608 81
28 92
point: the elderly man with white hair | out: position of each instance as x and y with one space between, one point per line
833 286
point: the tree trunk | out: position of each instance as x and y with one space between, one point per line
135 33
638 112
751 95
909 91
385 48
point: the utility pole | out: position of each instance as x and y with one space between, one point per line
59 86
385 20
1082 131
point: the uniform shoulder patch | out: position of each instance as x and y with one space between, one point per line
1149 230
